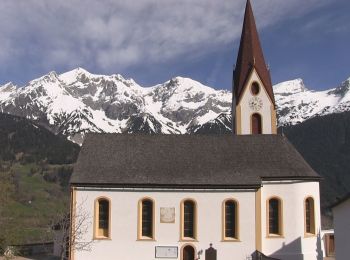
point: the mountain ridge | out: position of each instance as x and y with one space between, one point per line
112 103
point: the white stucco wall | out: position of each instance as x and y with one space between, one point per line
124 206
341 214
123 244
293 245
246 111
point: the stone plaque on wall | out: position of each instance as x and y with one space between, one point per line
167 215
166 252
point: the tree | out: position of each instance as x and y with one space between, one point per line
70 238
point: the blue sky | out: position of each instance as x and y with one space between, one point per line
154 40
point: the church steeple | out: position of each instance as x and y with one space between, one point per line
252 73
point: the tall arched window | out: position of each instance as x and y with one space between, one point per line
102 218
275 221
309 216
188 220
188 253
146 219
230 220
256 124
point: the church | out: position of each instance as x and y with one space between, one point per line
245 195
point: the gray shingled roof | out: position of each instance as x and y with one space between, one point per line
221 161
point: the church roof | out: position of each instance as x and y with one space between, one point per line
250 56
187 161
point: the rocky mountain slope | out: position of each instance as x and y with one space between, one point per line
296 103
77 102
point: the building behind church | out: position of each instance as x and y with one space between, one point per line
210 197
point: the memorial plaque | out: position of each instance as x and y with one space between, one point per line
166 252
167 215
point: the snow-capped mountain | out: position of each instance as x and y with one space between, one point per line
77 102
295 103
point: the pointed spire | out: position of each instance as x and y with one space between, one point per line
250 56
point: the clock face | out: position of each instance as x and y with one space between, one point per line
255 103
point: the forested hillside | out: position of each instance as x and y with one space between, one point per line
35 167
24 141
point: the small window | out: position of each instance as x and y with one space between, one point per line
275 217
188 217
256 124
102 218
146 219
255 88
330 245
310 216
230 217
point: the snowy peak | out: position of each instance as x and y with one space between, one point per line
51 77
343 91
7 90
290 87
77 102
78 74
295 103
8 87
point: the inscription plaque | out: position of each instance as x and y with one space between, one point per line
166 252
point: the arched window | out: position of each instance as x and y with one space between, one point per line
309 216
102 218
256 124
275 217
188 253
230 220
146 219
188 220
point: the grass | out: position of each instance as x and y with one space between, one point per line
35 203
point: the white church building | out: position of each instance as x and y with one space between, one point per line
241 196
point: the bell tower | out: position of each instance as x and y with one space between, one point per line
253 105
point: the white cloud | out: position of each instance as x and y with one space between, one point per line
119 33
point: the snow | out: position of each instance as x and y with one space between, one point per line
7 90
302 103
73 75
80 100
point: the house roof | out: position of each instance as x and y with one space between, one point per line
250 56
193 161
340 200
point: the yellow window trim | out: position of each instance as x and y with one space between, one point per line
182 237
96 219
223 221
313 218
139 220
280 218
